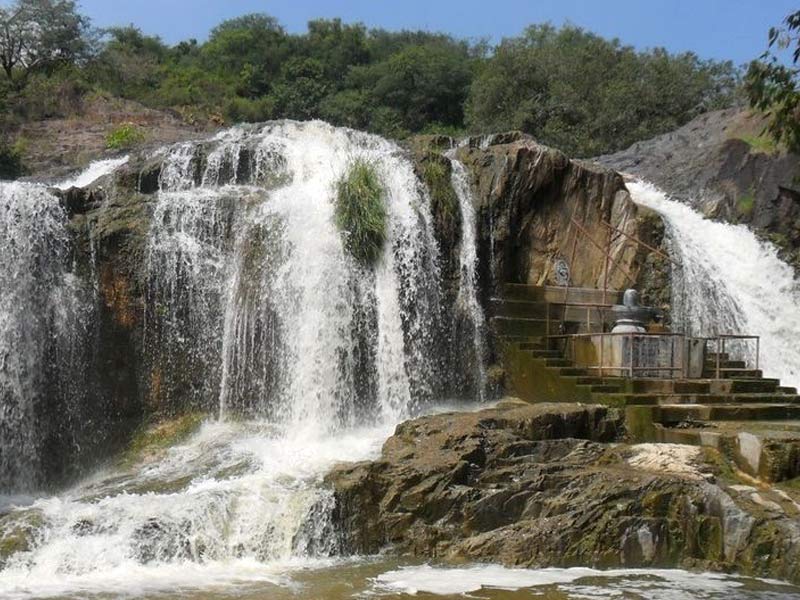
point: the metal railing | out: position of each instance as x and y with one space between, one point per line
680 353
720 342
589 306
631 368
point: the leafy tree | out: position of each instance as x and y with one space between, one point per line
772 86
587 95
417 85
130 63
37 34
253 46
301 88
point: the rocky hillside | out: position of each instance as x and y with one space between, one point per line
723 164
53 147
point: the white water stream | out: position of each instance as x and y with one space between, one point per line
468 301
730 282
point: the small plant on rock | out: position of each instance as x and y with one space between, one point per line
360 211
123 137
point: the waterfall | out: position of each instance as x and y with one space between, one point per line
39 315
94 171
249 282
254 311
468 302
730 282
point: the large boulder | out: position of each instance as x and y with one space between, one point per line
549 485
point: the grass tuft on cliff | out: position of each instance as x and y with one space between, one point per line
360 211
443 197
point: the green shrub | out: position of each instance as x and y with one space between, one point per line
360 212
125 136
10 161
443 197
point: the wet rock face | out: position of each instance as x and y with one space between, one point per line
543 485
723 165
538 207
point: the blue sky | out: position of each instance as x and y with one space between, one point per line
722 29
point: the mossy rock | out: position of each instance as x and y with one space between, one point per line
153 438
17 533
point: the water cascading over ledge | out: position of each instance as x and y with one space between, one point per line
238 298
45 339
249 283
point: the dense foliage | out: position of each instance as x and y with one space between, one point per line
773 86
568 87
360 213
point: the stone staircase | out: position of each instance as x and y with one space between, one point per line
742 412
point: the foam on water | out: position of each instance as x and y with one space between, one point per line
574 583
237 503
730 282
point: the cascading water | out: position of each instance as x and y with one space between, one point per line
33 244
255 310
468 302
255 278
730 282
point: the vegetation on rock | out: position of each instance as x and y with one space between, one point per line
360 212
125 136
151 438
10 161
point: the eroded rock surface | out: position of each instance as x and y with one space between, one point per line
549 485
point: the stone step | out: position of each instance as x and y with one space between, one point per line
521 339
505 326
747 385
768 454
724 364
734 373
607 388
545 353
555 294
671 386
702 399
530 309
572 371
676 413
782 389
595 380
558 362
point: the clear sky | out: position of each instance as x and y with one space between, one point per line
722 29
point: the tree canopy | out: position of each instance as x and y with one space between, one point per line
774 87
568 87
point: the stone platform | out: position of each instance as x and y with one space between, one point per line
752 419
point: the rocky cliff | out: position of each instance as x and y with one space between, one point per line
551 485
